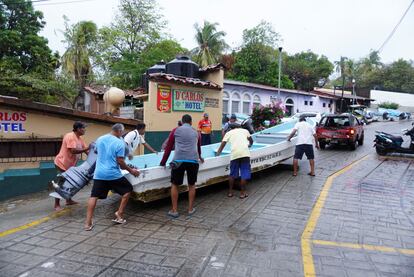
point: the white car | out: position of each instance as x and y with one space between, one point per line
317 116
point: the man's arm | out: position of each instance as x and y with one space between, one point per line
75 151
199 148
123 165
222 145
316 141
291 134
250 141
168 148
150 148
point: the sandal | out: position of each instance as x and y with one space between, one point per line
294 174
230 195
310 174
173 214
243 196
190 213
89 228
118 219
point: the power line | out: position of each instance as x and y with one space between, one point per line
395 28
44 2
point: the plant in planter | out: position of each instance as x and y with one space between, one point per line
268 115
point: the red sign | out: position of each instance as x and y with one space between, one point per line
164 98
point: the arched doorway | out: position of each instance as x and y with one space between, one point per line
290 107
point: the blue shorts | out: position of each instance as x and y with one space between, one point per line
240 168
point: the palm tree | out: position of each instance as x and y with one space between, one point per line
76 61
210 43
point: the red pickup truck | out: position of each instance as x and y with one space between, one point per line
343 129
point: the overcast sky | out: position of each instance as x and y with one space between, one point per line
330 27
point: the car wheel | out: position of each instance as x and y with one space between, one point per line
361 140
322 145
380 151
353 145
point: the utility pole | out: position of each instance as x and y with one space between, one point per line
342 64
280 69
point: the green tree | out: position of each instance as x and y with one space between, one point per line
80 40
137 26
399 76
308 70
135 66
27 65
257 60
210 43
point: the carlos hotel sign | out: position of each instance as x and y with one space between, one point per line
12 122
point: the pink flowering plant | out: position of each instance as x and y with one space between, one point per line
273 113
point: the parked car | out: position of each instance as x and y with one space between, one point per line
316 115
343 129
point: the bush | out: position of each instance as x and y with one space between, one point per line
272 113
388 105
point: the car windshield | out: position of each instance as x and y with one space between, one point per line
335 122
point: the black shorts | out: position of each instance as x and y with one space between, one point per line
101 188
306 149
177 174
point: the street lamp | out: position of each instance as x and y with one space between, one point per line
280 69
353 89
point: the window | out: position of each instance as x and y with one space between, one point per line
329 105
306 102
235 103
289 106
246 104
310 103
256 101
225 102
324 105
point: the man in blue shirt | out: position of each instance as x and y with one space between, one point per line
108 176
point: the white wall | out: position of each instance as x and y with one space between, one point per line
403 99
265 98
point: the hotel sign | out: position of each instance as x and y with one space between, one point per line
12 122
190 101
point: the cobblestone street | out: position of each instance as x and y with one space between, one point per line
355 218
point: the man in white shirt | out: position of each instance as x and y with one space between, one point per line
136 137
240 141
304 144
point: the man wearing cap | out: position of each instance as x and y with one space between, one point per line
226 127
72 147
204 127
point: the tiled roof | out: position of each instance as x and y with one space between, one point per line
184 80
338 94
26 105
100 90
265 87
212 68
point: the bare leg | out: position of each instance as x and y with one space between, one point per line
295 167
57 206
191 197
91 208
174 197
71 202
312 166
243 184
231 184
124 201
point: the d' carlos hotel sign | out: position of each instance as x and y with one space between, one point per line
179 100
12 122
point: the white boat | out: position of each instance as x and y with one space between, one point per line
270 148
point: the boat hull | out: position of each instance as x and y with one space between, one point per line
154 183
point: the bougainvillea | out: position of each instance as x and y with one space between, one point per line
268 115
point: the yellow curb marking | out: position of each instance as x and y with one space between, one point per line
308 265
365 246
35 223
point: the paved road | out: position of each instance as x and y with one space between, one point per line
358 222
